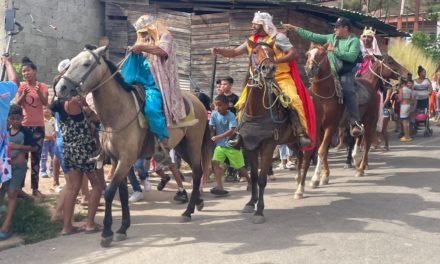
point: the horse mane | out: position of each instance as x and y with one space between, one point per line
118 77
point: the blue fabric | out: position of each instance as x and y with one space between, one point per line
47 150
221 124
285 152
59 145
143 174
137 70
7 93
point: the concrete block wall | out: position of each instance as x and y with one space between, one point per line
77 22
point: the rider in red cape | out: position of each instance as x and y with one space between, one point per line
302 115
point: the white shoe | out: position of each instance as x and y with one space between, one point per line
147 185
290 165
281 166
136 196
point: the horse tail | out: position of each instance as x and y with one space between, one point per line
206 152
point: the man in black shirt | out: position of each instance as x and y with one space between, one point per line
226 86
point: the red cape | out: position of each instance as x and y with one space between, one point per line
309 107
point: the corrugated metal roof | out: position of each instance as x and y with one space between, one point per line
324 12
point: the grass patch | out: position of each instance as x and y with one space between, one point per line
79 216
411 57
31 221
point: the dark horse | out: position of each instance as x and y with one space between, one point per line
125 140
318 69
264 124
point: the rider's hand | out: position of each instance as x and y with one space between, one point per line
6 59
289 27
330 47
214 138
215 51
136 49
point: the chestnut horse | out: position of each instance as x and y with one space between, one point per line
323 87
264 124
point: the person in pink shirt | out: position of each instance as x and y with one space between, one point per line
32 96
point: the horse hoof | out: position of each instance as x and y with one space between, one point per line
298 196
200 206
119 237
106 241
248 209
185 219
258 219
359 174
324 182
314 184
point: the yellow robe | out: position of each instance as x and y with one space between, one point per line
284 80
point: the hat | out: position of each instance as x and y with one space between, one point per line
342 22
63 65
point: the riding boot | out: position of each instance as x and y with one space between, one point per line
163 157
299 130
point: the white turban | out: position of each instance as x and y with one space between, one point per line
63 65
266 20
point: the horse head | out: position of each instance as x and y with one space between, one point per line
262 59
316 56
85 72
386 67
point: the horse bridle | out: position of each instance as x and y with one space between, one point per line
315 63
256 66
79 84
382 65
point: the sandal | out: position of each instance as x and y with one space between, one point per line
5 235
95 229
74 230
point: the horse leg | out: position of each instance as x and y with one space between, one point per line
253 160
266 161
302 173
107 233
121 234
325 176
349 160
356 151
322 154
120 173
366 148
195 162
299 164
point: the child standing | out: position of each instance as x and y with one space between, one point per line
405 97
222 125
48 144
21 141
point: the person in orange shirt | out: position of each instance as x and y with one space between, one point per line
32 96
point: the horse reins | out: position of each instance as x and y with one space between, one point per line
322 79
383 64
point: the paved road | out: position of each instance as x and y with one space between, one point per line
389 216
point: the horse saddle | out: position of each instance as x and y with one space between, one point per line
189 120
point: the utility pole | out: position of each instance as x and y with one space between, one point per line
416 16
402 8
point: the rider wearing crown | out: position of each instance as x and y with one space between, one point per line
286 74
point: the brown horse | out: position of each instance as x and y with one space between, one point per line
264 124
125 139
318 69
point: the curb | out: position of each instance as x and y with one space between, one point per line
11 242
